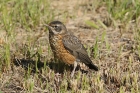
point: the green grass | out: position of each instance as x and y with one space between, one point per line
26 60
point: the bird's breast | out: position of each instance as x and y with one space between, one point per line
59 50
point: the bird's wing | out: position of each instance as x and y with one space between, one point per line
74 46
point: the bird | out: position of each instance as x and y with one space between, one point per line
66 47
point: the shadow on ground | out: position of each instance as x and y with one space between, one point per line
57 67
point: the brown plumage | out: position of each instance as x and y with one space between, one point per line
67 47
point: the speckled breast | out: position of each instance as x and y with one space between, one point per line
59 51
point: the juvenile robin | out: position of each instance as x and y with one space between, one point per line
67 47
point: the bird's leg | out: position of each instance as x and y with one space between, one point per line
75 65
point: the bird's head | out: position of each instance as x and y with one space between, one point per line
56 27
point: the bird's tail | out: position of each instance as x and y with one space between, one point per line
92 66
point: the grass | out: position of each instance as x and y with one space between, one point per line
26 60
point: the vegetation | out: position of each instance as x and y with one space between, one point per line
109 29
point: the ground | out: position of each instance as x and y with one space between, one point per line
108 29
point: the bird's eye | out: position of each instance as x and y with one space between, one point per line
57 28
54 26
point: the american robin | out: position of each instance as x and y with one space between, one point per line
66 47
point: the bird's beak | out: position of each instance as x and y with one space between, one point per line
49 28
47 25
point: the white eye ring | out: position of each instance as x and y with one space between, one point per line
55 26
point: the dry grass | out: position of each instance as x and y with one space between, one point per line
109 29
